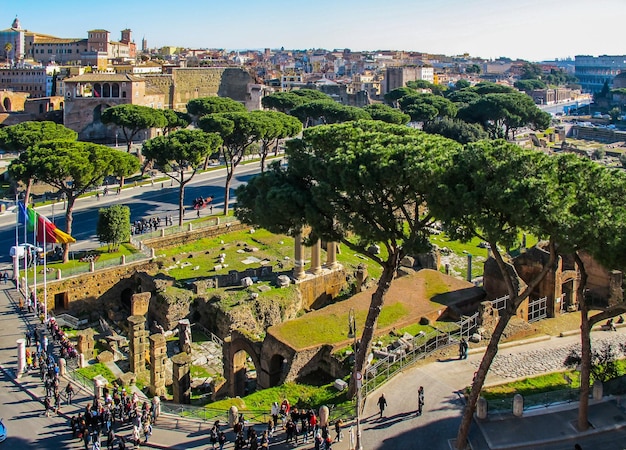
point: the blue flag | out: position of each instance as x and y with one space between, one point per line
22 214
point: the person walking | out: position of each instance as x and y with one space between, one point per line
69 393
420 400
463 346
382 404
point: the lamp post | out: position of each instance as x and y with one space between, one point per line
469 265
358 377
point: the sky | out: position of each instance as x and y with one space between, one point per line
533 30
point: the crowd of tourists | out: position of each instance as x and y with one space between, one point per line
107 414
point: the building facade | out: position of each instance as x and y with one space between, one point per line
397 77
593 71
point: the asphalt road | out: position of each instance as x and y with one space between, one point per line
160 199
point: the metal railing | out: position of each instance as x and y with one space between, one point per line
175 229
215 339
421 347
500 303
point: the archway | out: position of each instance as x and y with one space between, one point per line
277 369
125 298
7 104
244 374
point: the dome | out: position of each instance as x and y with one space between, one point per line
16 24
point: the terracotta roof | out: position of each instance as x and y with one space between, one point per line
102 77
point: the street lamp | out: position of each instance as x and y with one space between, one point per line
358 377
469 265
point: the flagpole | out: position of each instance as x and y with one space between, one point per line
16 260
35 228
45 278
26 259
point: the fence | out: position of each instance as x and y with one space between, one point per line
168 231
537 309
500 303
252 416
209 334
422 346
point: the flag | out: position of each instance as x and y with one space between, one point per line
52 233
30 217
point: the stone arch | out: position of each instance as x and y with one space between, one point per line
97 90
97 113
126 296
236 349
7 104
106 90
277 368
115 90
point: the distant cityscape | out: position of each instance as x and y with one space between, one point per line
49 77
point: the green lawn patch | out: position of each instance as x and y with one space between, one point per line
331 327
93 370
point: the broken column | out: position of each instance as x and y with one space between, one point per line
138 343
85 345
181 378
184 336
158 358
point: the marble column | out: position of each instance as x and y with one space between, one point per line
331 255
316 258
298 270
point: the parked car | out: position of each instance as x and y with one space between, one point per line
21 249
3 431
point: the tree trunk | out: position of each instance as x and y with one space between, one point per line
376 304
479 379
585 348
263 157
181 201
29 187
230 171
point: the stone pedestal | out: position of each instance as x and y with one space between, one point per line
597 391
481 408
21 356
62 367
81 360
184 336
518 405
85 343
138 344
99 383
181 378
158 358
233 416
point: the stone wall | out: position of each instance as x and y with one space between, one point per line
87 292
604 286
186 237
318 291
197 82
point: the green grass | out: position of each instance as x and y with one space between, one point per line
200 372
299 395
331 328
97 369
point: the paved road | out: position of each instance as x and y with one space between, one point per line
159 199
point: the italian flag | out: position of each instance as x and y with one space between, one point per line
46 230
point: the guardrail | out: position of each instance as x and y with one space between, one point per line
534 401
422 346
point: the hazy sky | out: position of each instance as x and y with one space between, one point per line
528 29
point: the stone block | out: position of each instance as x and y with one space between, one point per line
218 267
283 281
126 379
246 282
340 385
264 288
139 304
407 261
475 338
105 357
